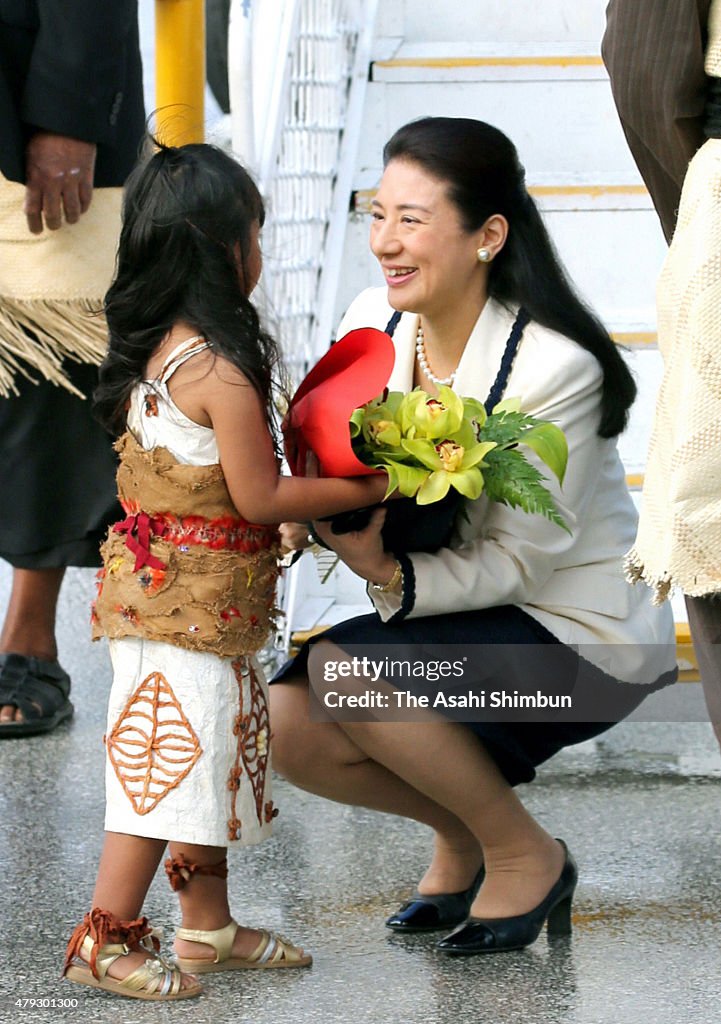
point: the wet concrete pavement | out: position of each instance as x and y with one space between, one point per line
639 809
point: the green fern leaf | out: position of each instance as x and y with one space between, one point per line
506 427
511 479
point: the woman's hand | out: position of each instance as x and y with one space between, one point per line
362 550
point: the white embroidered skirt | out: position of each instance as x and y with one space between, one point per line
187 746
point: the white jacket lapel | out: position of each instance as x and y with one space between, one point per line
481 359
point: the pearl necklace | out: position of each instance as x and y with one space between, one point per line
423 363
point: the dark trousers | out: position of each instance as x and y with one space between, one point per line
654 53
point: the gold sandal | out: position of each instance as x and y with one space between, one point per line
155 979
272 951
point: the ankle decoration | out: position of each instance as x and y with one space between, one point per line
104 928
180 871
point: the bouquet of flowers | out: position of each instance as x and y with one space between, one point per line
429 446
436 451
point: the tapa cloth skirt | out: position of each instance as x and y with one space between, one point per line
517 747
187 746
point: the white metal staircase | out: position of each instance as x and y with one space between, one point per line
298 72
536 73
333 80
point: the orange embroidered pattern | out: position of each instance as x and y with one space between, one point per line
152 746
235 825
253 732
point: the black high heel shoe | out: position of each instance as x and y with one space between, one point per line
430 913
495 935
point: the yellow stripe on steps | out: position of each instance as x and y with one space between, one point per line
490 62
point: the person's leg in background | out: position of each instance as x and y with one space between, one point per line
57 497
654 55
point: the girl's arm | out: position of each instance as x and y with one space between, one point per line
259 492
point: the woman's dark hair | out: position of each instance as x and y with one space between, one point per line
183 254
484 176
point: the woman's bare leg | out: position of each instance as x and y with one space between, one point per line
321 758
455 781
455 771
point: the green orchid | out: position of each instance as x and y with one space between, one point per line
474 414
377 422
451 465
402 477
379 430
422 415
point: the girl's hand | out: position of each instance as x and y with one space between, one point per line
362 550
293 537
377 486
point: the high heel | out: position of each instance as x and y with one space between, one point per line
422 913
498 934
558 921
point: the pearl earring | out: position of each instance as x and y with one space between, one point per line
484 255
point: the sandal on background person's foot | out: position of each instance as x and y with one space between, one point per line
272 951
101 939
38 689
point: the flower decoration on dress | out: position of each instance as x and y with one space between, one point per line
151 580
150 404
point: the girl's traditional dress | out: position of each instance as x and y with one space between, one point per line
186 598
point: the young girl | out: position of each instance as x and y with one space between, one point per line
187 591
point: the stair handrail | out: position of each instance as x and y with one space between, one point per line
338 221
276 40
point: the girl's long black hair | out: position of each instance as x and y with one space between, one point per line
188 214
484 175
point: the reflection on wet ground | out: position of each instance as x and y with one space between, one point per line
640 812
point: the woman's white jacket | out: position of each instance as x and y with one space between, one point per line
572 583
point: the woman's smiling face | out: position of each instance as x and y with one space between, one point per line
429 260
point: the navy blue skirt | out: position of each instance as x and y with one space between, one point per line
511 648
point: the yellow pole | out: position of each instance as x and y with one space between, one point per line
180 70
